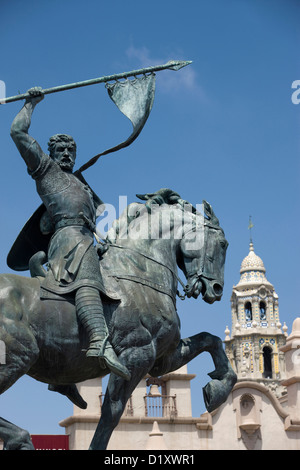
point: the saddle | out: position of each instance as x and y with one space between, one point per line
108 287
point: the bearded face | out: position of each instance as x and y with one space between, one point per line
63 151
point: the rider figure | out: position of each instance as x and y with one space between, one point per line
73 263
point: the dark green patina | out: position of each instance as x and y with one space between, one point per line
108 307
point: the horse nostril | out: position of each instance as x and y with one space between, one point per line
218 289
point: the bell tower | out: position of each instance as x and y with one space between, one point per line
257 334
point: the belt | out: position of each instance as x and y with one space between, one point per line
81 220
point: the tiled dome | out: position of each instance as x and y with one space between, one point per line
252 262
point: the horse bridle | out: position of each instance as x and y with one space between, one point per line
199 272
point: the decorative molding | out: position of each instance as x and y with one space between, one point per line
263 389
204 422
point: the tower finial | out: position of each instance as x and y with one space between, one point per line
250 226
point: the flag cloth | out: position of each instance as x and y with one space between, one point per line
134 98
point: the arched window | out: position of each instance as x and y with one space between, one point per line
267 354
262 310
248 311
247 404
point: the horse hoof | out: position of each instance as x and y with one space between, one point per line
215 393
218 374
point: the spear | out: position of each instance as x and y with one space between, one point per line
171 65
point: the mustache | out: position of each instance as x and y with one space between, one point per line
66 161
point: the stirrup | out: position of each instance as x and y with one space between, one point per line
108 358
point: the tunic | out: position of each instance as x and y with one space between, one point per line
71 212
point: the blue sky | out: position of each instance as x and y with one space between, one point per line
223 129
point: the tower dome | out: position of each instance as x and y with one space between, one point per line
252 262
252 270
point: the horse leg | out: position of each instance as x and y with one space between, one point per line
14 438
138 361
20 352
223 377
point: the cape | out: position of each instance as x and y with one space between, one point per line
31 239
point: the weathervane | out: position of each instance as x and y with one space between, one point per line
250 226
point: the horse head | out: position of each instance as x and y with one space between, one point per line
201 244
202 256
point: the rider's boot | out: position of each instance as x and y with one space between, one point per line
90 313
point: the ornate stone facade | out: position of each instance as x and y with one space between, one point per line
257 333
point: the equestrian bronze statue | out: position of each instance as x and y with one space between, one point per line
94 308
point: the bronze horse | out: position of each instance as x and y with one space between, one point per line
147 243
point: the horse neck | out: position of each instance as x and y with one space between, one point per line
153 234
160 250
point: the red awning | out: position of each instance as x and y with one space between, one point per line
50 442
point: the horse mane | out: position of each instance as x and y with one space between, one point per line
161 197
170 197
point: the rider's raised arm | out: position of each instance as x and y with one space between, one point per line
29 149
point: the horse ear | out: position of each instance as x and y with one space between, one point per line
208 210
145 197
